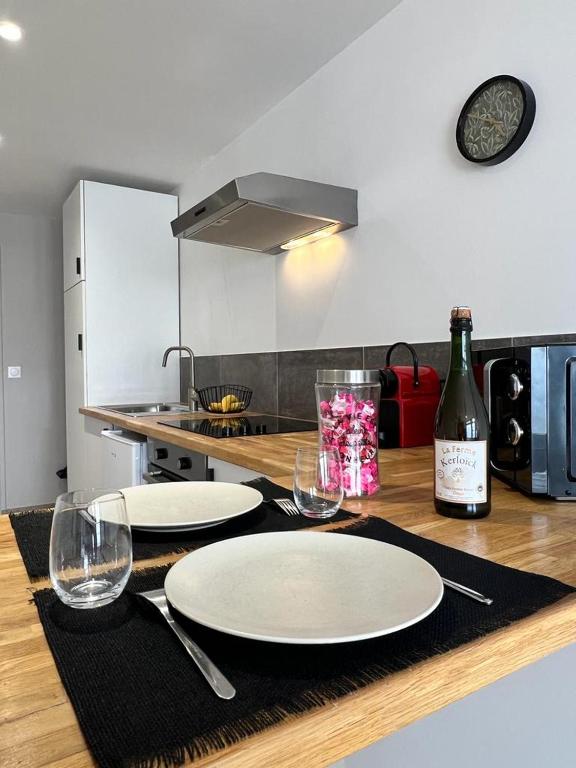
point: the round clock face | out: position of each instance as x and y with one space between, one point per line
495 120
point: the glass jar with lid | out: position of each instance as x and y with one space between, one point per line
348 405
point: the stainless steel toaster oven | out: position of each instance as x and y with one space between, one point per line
530 395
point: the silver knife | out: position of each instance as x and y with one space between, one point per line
478 596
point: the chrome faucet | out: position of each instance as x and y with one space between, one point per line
192 394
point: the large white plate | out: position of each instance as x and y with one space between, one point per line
174 507
304 587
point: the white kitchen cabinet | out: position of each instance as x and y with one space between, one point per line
83 440
73 237
121 298
226 472
75 374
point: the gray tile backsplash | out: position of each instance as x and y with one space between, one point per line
258 371
436 354
297 376
478 344
207 371
283 382
557 338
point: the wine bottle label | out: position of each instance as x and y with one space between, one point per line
460 471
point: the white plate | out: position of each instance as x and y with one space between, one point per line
176 528
304 587
174 507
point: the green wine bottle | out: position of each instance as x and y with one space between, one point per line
461 433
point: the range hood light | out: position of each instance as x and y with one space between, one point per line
10 31
311 238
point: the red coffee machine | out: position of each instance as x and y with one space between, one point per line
409 399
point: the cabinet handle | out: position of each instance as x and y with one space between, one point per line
79 342
78 268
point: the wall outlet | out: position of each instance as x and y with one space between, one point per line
14 371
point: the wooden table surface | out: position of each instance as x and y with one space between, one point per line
38 726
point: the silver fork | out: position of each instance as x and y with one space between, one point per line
219 684
287 506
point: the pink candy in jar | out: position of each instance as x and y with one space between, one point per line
348 420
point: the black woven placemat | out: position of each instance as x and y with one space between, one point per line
32 530
141 703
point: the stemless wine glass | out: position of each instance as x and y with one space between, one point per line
90 547
318 490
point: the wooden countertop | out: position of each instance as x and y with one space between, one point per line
37 723
271 455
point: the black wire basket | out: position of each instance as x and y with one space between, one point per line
225 398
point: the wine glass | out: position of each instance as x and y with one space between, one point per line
318 490
90 547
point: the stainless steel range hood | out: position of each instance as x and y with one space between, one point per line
269 213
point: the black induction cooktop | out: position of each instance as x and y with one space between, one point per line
242 426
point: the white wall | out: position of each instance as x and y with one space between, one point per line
524 720
32 327
434 230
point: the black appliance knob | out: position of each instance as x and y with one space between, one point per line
515 432
160 453
261 429
515 386
227 432
184 462
242 431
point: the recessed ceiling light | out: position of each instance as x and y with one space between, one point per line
10 31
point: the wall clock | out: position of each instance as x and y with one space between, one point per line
495 120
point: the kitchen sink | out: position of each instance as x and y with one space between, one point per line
147 409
